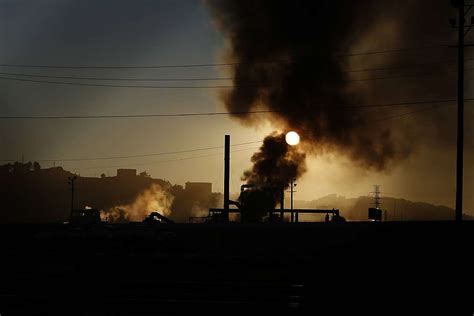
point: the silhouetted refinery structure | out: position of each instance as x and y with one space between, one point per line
173 268
273 215
245 210
256 203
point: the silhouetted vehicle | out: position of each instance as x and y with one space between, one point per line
156 217
85 217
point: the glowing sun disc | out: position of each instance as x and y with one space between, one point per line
292 138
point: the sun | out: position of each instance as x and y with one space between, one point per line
292 138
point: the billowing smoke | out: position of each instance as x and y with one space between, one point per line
174 202
189 203
152 199
291 58
275 164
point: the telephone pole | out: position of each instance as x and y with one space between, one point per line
463 29
71 183
460 144
226 177
292 191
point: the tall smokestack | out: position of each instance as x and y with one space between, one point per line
226 176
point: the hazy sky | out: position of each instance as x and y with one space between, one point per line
141 32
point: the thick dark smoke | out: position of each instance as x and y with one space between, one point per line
288 56
273 168
275 164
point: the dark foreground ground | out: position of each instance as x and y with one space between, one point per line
235 269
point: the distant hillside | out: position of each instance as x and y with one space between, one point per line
397 209
32 194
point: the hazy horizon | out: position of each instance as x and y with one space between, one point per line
131 33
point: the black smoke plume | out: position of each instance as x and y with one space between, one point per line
289 58
274 166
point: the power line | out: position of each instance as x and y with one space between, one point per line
187 79
113 79
116 85
407 103
134 67
406 114
219 147
134 115
198 149
398 50
194 79
135 156
404 76
171 160
395 67
218 113
220 154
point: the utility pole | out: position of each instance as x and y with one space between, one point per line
226 177
462 32
460 144
71 183
292 186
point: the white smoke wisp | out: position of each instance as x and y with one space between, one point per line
153 199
